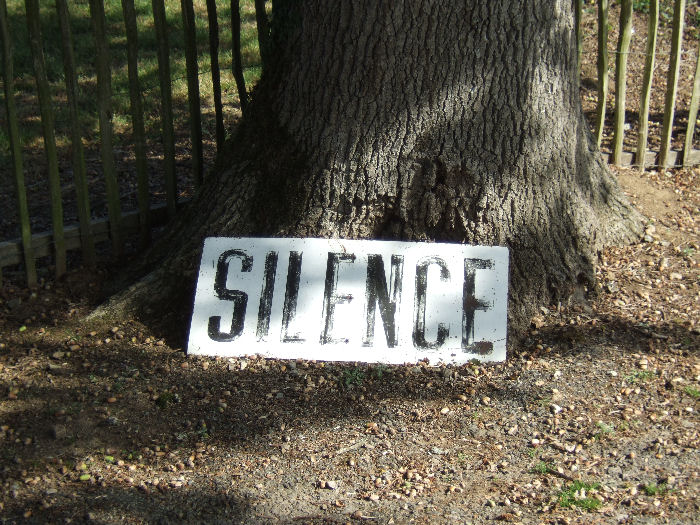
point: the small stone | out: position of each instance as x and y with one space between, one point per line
444 411
648 238
675 276
73 348
111 400
205 365
331 485
485 400
555 408
184 365
58 355
374 497
611 287
59 432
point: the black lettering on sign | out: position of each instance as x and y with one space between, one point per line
240 299
389 300
289 310
419 304
470 304
265 307
330 296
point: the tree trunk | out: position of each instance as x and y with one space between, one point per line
435 121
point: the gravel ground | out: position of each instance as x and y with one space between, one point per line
594 419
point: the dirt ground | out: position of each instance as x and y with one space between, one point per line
593 419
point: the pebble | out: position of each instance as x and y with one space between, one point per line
444 411
676 276
331 485
59 431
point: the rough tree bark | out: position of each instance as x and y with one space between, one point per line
432 120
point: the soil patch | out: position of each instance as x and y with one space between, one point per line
594 419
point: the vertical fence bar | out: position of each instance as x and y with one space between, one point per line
623 47
579 33
139 132
263 33
15 147
672 82
166 105
104 102
236 62
602 69
216 73
190 29
692 112
47 125
79 172
652 33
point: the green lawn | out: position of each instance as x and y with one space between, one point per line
148 65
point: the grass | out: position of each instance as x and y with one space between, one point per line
542 468
692 392
652 489
576 495
639 375
25 96
605 430
352 376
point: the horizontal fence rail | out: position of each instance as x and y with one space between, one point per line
226 24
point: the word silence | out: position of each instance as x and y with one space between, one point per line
348 300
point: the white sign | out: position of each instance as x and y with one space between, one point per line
343 300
